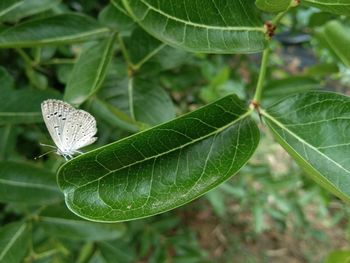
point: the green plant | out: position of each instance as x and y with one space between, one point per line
122 69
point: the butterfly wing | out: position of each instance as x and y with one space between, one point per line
79 130
55 114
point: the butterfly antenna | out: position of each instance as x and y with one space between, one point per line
47 145
38 157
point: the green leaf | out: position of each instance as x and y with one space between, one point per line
339 7
141 98
13 243
278 89
115 17
273 6
133 178
8 5
23 106
211 26
6 80
141 46
58 29
60 222
338 38
113 116
24 183
28 8
89 71
313 128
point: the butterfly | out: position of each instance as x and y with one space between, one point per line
70 128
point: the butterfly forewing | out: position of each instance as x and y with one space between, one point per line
55 114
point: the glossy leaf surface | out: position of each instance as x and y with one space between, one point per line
163 167
89 71
314 128
211 26
273 5
13 243
340 7
59 29
27 184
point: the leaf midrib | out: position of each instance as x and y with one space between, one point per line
161 154
281 125
26 184
190 23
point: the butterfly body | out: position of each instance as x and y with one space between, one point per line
70 128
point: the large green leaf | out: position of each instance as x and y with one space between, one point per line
314 128
22 106
13 243
273 5
58 29
338 38
27 184
212 26
59 221
340 7
8 5
114 16
163 167
89 71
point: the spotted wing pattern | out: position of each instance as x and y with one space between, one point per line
70 129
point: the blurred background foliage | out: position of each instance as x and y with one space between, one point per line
269 212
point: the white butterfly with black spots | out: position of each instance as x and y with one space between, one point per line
70 128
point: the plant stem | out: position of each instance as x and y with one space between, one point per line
262 74
131 96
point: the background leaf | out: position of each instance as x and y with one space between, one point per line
23 106
60 222
13 242
339 7
28 8
132 178
65 28
27 184
313 128
89 71
338 38
213 26
8 5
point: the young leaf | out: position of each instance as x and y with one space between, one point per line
273 6
314 128
211 26
163 167
339 7
23 105
8 5
59 221
13 242
27 184
89 71
58 29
